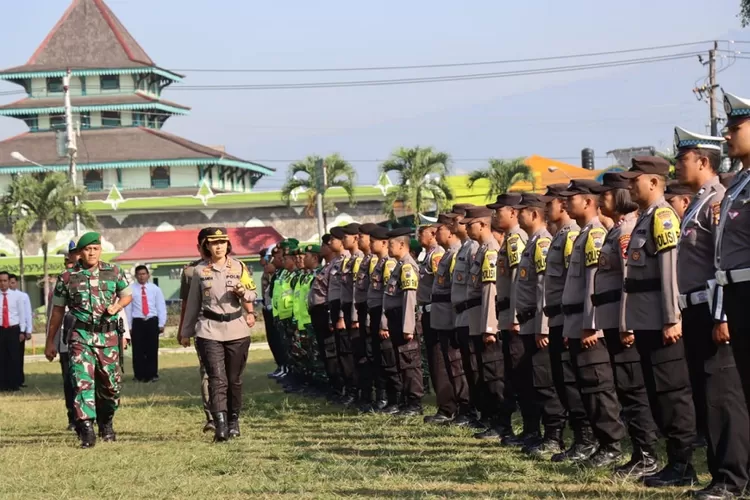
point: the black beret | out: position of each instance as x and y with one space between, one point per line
367 228
379 233
401 231
505 200
582 186
351 229
338 232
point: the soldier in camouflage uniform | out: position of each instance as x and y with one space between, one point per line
315 369
95 292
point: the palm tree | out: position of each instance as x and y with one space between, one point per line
339 173
49 201
20 228
423 184
670 157
502 174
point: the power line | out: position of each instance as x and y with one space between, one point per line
442 65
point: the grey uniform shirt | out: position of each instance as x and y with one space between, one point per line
695 250
579 284
483 286
347 276
733 236
460 278
652 255
507 267
558 259
318 295
212 289
334 279
530 283
401 292
362 278
612 272
443 316
378 266
427 270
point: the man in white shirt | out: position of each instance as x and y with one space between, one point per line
26 328
147 315
12 319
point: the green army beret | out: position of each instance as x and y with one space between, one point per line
312 248
87 239
289 244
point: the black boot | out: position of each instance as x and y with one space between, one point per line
411 409
717 491
551 444
222 431
86 433
106 431
674 474
381 400
351 396
438 419
642 463
584 445
394 404
527 438
234 425
604 457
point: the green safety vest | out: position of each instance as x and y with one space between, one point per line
286 298
300 299
276 297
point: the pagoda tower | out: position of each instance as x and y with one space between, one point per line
117 103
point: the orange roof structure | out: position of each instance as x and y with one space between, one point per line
563 173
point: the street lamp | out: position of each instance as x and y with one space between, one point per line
557 169
19 157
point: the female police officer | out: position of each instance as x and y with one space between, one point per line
214 314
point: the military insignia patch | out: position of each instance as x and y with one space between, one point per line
489 266
716 212
636 256
594 243
666 229
523 274
624 242
540 254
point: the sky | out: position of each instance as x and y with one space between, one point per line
554 115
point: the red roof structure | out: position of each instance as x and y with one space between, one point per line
178 246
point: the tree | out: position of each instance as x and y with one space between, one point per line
745 13
20 228
339 173
502 174
48 201
672 161
422 186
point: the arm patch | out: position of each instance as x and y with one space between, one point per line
436 256
570 240
666 229
514 248
594 243
489 267
624 242
409 278
716 213
373 264
540 254
390 264
453 263
246 279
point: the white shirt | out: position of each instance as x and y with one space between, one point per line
28 315
157 307
16 309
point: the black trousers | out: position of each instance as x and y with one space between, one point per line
344 343
67 386
490 365
450 349
361 344
596 381
665 373
439 366
225 362
631 392
519 372
546 398
736 299
144 337
375 377
471 372
408 358
326 344
9 358
717 388
274 339
21 357
564 377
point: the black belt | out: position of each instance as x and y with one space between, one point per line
502 305
572 309
441 298
642 286
552 311
524 316
469 304
599 299
109 326
224 318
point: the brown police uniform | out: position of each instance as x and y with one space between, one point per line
383 358
427 273
362 344
350 336
317 302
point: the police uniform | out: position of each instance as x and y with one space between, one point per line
362 344
94 344
214 314
717 390
592 365
399 319
447 371
537 387
513 349
335 294
277 341
320 318
349 338
652 303
382 356
271 335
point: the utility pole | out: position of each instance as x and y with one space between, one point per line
709 91
71 146
322 184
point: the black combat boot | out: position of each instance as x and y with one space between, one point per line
351 396
527 438
394 404
584 445
222 431
438 419
86 433
106 431
551 444
234 425
643 462
411 409
604 457
381 400
674 474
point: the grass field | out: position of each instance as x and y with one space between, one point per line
292 447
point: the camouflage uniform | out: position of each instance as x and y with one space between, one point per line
94 343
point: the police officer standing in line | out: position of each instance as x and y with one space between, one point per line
733 240
345 360
427 271
721 414
679 196
398 321
563 373
349 337
320 318
277 281
447 370
362 344
269 270
609 303
652 313
507 265
535 366
588 348
384 374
